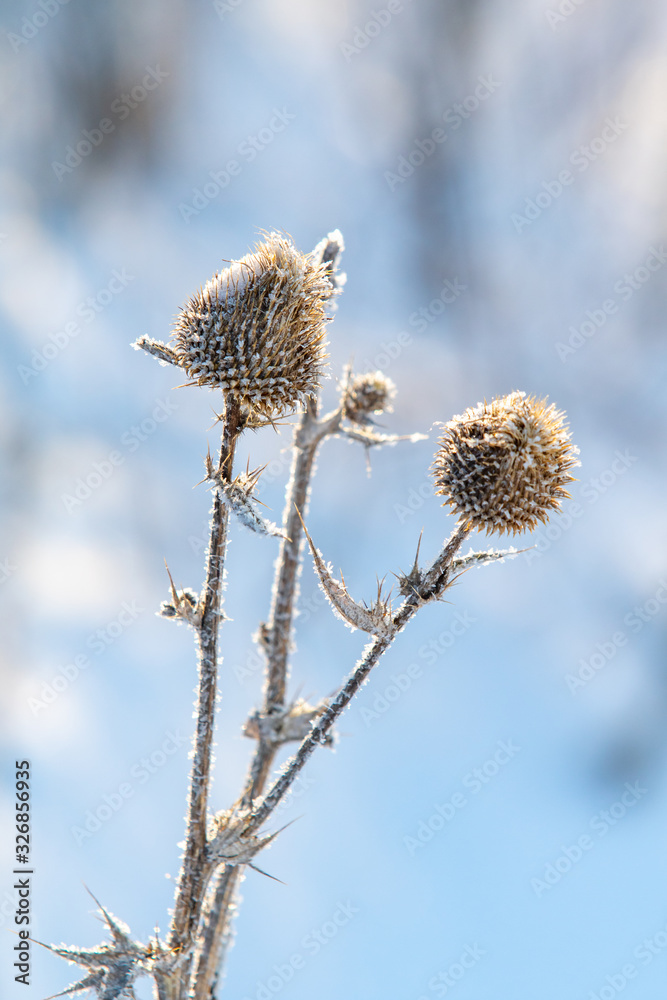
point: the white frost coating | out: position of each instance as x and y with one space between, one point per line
239 501
376 620
480 558
234 279
228 284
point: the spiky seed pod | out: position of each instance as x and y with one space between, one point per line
503 466
256 329
366 394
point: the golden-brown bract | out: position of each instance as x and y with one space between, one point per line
503 466
256 329
369 393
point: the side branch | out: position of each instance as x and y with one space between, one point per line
279 626
435 581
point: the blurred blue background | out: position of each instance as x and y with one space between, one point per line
498 172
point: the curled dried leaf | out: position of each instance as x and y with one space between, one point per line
370 438
294 723
112 967
376 619
164 353
237 495
184 605
480 558
229 844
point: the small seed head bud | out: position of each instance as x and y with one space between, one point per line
366 394
504 466
256 329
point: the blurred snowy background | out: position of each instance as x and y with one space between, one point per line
498 172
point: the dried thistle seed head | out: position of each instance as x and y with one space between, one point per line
256 329
503 466
366 394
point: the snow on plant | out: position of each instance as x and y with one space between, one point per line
255 332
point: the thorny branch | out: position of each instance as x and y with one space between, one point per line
435 582
191 885
275 638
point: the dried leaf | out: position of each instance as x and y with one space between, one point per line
480 558
237 495
230 845
112 967
184 605
164 353
370 438
293 723
376 620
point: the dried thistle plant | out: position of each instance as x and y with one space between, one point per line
255 331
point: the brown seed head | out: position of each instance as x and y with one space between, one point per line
256 329
366 394
503 466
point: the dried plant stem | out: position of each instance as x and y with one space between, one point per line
217 921
216 933
276 636
276 643
279 627
191 883
435 582
277 633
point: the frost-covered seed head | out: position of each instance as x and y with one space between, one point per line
256 329
504 466
366 394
